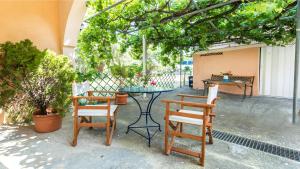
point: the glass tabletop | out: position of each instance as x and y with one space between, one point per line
139 89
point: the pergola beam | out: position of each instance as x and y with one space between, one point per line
201 11
171 18
105 9
210 22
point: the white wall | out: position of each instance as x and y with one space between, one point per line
277 71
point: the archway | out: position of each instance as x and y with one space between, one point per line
72 28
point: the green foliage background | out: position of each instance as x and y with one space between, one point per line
170 29
51 84
17 60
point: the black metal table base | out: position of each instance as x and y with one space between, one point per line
148 118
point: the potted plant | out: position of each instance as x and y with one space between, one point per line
226 76
119 71
48 90
41 78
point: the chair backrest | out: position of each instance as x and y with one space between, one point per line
248 79
212 94
92 102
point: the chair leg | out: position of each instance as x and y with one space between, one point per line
181 127
209 132
111 132
115 124
166 136
172 125
202 158
111 123
107 132
90 121
173 138
75 131
171 144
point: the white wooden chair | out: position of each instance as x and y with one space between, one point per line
83 114
211 98
200 117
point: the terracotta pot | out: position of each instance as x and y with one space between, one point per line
47 123
121 98
1 117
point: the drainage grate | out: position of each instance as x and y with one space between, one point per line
258 145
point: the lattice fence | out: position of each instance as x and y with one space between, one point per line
165 80
107 82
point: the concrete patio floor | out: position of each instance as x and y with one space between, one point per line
261 118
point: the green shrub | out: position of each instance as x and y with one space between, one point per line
19 110
51 85
16 61
32 80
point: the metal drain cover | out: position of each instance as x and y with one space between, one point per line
258 145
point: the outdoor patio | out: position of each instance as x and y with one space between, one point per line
261 118
93 83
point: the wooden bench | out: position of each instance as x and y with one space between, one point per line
239 81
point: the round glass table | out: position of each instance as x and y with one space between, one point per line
154 92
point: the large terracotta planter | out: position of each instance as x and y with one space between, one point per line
47 123
1 116
121 98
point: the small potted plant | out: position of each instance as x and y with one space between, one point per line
226 76
119 71
48 90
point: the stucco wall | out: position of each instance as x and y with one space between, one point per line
239 62
64 8
41 21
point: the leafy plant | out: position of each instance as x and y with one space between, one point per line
16 61
125 73
51 85
176 26
186 70
19 109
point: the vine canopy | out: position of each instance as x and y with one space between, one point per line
183 25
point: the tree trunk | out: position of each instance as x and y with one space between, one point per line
43 110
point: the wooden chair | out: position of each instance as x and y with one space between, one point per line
103 108
199 118
211 98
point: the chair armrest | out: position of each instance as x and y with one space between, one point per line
102 91
92 97
192 96
189 104
195 96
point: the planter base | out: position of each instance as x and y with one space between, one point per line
121 99
47 123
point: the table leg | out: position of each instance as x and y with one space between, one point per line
146 113
204 89
245 91
139 115
149 110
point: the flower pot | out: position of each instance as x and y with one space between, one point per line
1 116
47 123
121 98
